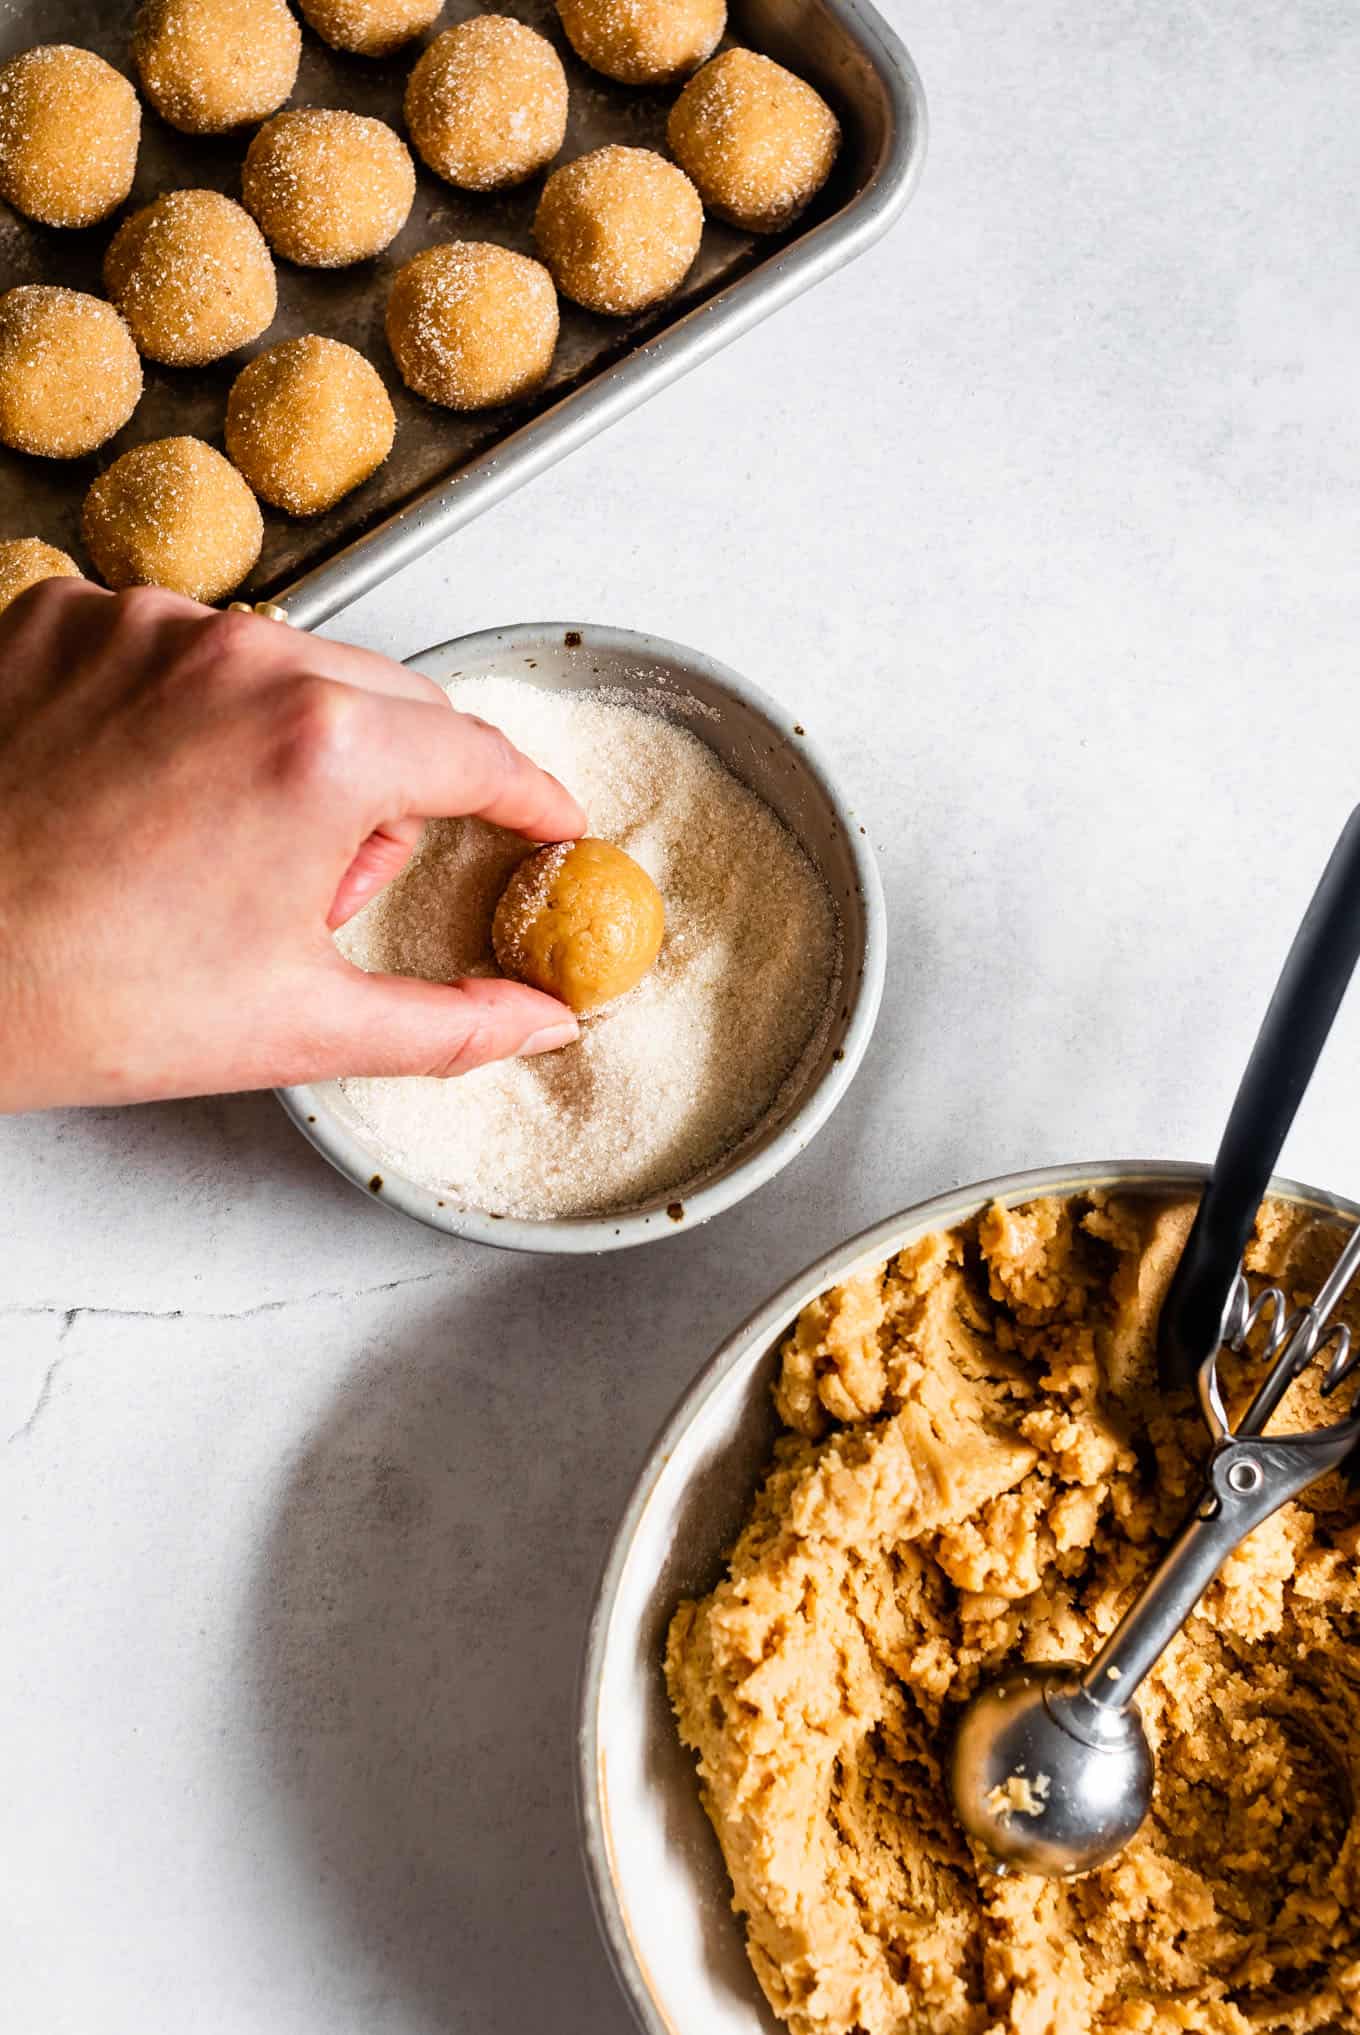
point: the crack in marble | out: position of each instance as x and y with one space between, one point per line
49 1377
71 1315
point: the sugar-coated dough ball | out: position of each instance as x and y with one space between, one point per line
643 42
70 375
758 142
370 28
210 65
328 187
307 421
619 229
69 129
472 324
193 277
26 560
580 920
487 103
176 514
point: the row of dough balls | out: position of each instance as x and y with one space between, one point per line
176 513
470 324
486 106
173 513
209 66
192 277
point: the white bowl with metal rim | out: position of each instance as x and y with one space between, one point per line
772 754
660 1887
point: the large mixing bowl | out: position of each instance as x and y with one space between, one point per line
660 1886
770 753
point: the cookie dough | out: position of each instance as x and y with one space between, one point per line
26 560
619 228
756 141
581 920
643 42
487 103
173 513
472 324
210 65
193 277
327 187
70 376
369 28
977 1468
307 421
70 126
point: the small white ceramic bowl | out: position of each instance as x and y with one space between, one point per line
660 1887
770 753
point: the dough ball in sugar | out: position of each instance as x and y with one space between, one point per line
471 324
308 421
210 65
176 514
26 560
69 129
70 375
582 921
193 276
328 187
369 28
757 142
487 103
619 228
643 42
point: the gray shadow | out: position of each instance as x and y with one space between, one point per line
415 1639
164 1145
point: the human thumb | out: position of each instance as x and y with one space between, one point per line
392 1024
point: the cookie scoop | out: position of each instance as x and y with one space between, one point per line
1050 1770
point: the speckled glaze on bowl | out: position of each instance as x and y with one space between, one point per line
661 1891
769 752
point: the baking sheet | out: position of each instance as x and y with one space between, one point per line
445 468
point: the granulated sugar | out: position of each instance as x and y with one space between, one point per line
665 1082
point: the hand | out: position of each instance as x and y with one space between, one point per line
190 803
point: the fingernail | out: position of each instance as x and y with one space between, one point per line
549 1039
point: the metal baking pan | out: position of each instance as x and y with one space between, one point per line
446 469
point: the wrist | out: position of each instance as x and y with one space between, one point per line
30 1028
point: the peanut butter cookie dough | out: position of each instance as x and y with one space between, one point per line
756 142
192 276
581 920
619 228
69 373
472 324
487 103
327 187
173 513
978 1468
26 560
307 421
208 66
70 126
370 28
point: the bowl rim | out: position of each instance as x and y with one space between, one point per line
753 1336
313 1116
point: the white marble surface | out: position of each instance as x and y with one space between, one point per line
1044 519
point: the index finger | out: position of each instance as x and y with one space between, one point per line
347 664
436 763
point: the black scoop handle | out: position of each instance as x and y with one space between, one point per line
1313 982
